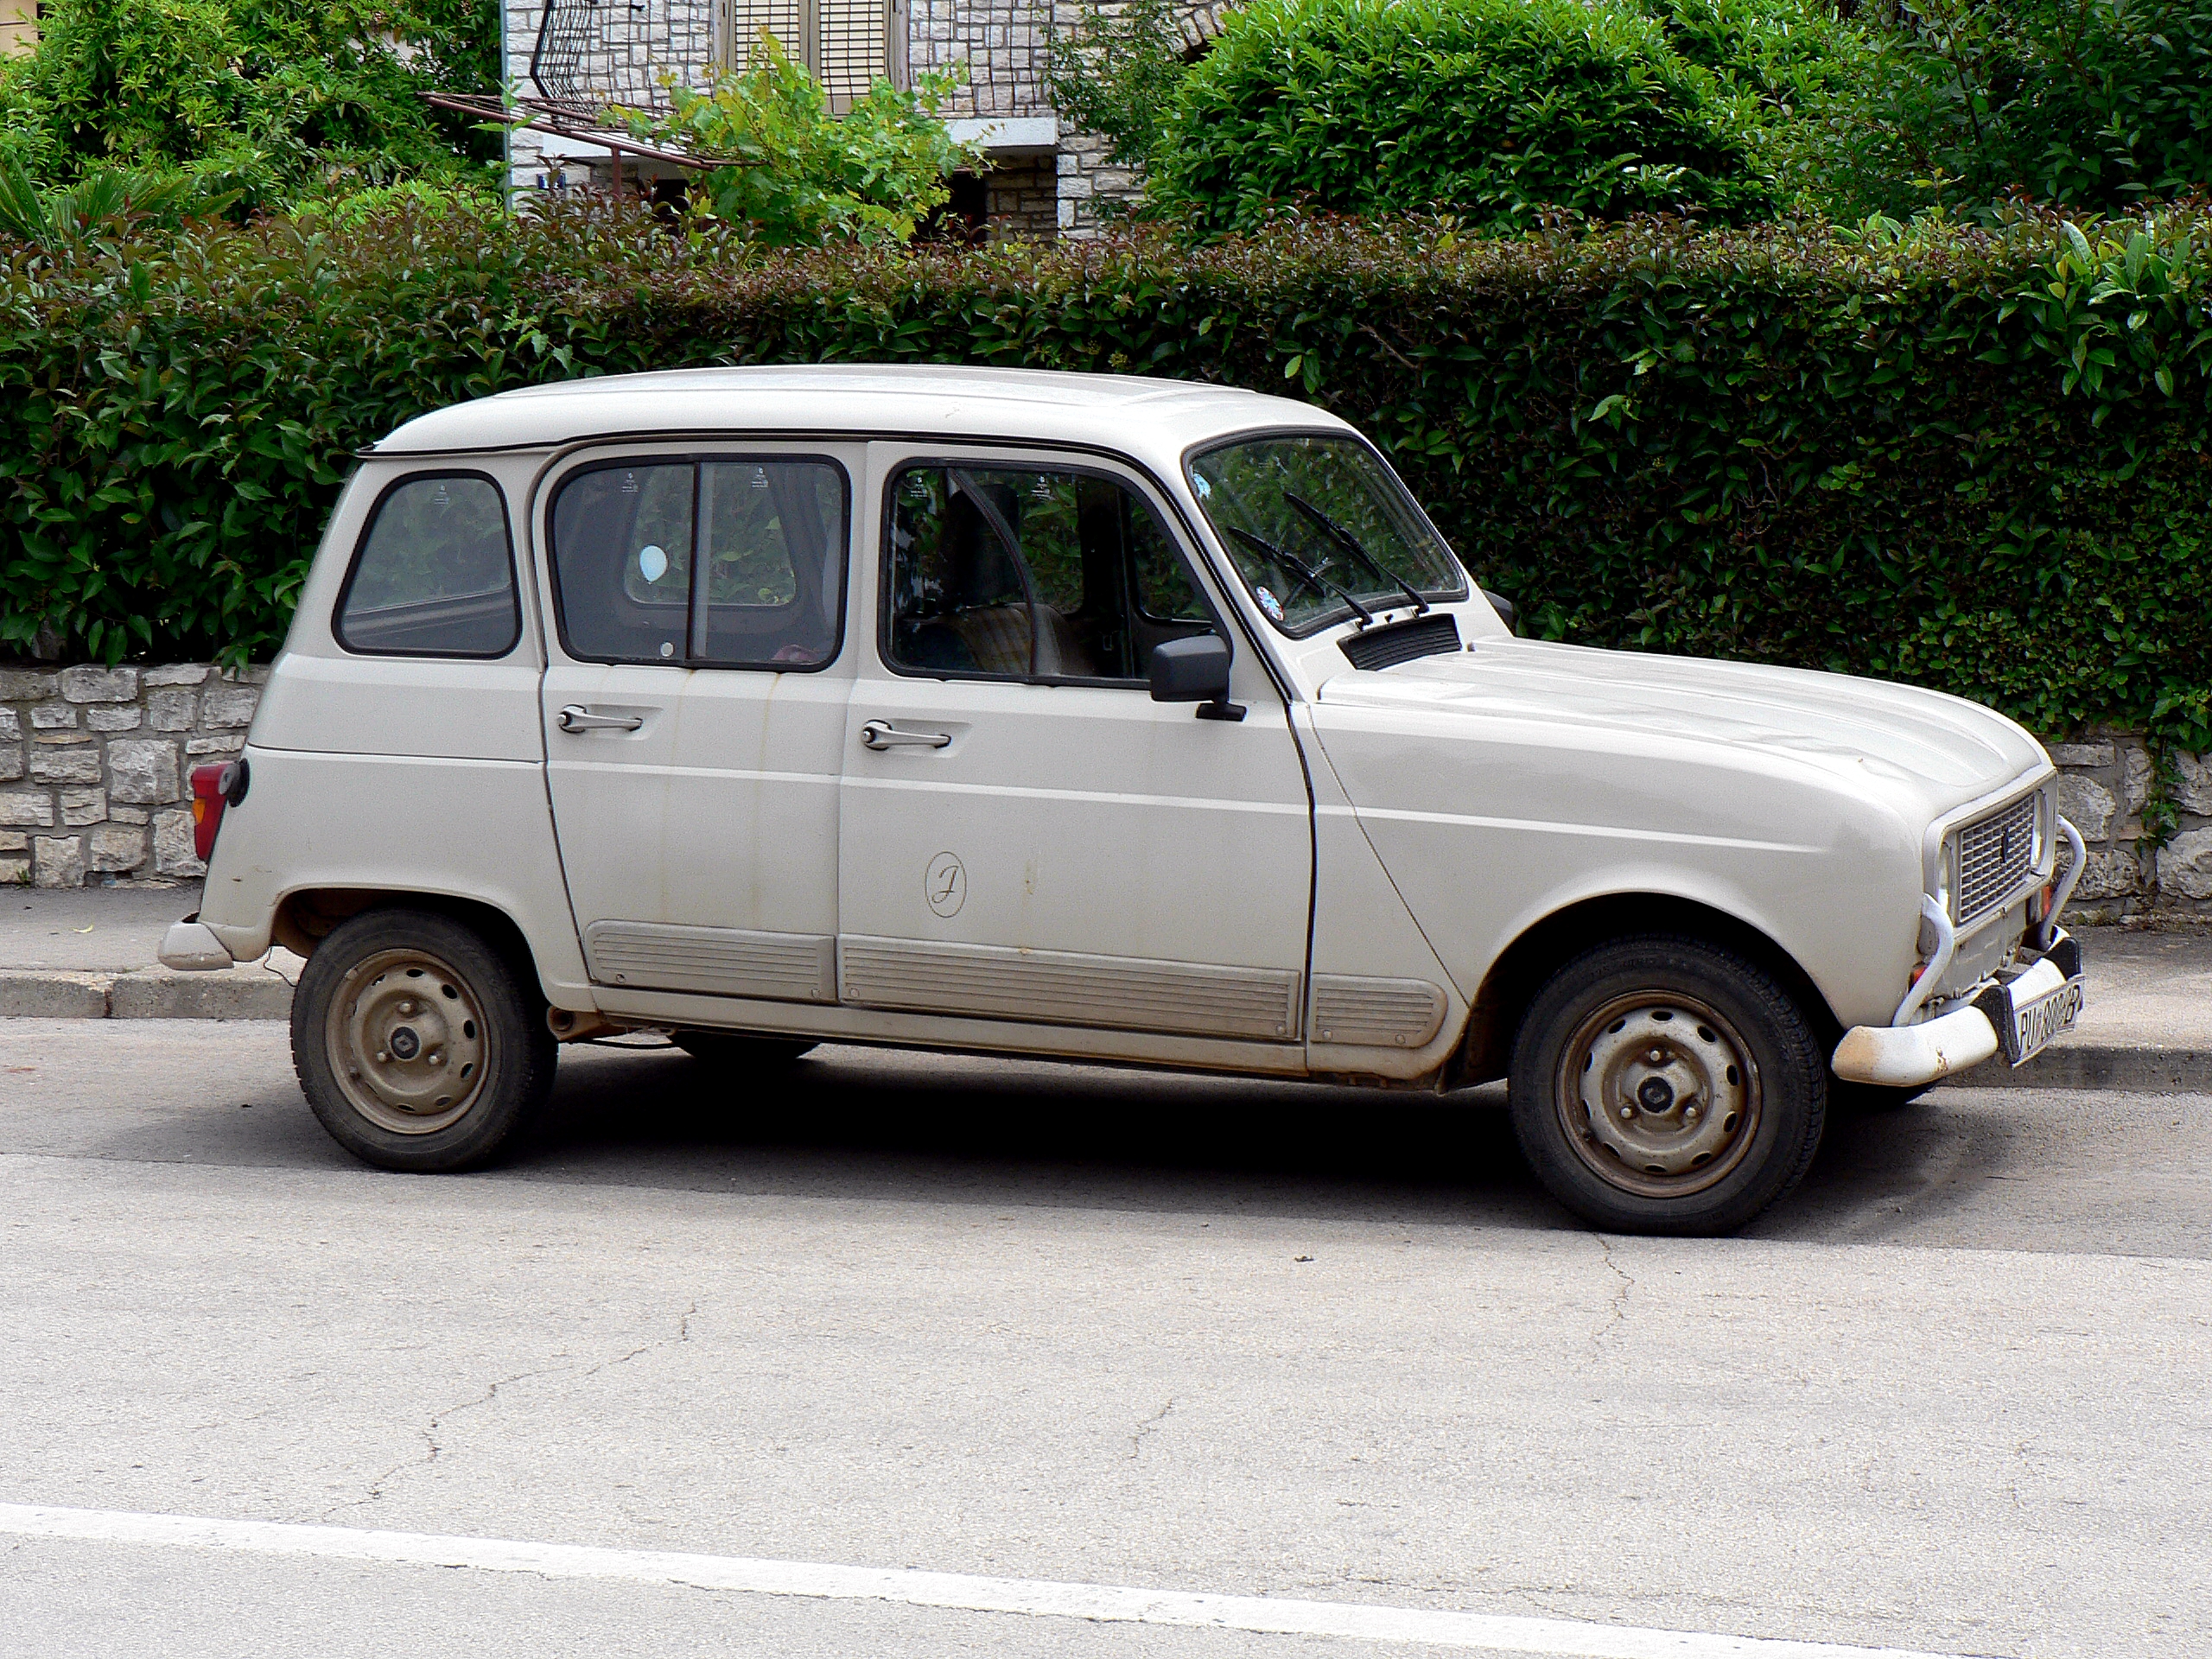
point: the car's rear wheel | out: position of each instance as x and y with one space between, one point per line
1663 1084
418 1046
724 1048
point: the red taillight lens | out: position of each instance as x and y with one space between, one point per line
213 788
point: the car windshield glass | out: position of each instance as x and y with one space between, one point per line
1321 531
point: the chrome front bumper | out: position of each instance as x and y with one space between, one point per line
1910 1056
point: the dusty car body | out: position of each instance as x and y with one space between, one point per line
1084 717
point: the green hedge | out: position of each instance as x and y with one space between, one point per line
1976 460
1488 108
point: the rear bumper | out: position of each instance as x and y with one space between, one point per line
190 946
1910 1056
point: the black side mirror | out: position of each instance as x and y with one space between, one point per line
1195 669
1508 612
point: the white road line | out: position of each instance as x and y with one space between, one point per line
1038 1597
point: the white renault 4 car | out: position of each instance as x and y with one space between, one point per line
1103 718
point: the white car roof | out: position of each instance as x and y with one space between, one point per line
1157 419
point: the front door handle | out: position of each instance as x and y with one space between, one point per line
882 735
577 718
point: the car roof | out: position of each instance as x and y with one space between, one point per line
1130 413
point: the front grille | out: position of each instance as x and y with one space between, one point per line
1401 642
1995 854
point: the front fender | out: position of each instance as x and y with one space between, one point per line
1486 833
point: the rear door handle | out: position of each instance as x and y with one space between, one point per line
882 735
577 718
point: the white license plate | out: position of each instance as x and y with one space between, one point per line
2034 1024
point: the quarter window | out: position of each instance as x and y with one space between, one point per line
434 575
1032 573
725 562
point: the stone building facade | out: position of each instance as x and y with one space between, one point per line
95 762
1046 179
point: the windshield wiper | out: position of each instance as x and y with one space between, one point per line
1343 538
1306 573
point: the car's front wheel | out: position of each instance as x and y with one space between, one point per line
1664 1084
417 1045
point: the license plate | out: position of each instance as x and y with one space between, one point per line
2034 1024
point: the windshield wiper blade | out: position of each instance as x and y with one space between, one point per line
1305 572
1343 538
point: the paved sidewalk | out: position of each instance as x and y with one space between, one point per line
91 953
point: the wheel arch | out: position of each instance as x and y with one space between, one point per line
306 917
1547 944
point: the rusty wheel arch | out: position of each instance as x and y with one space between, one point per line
1523 968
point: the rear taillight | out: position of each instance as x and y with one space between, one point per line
214 788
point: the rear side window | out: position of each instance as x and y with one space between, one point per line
724 561
434 575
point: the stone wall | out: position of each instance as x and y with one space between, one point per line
2103 784
94 764
1022 192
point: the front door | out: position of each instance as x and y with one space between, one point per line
695 706
1024 833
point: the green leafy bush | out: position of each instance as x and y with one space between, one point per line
1973 459
1118 73
1486 109
2094 102
802 174
269 100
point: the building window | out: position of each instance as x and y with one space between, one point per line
846 45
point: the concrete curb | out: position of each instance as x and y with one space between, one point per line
146 994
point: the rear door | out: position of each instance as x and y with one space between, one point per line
694 705
1025 835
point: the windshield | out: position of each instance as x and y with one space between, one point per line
1321 531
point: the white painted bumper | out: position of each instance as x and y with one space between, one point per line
1906 1057
191 947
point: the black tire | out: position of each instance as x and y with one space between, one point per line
1713 1083
728 1048
418 1046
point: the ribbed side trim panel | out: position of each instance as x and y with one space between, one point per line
1061 988
1375 1012
719 961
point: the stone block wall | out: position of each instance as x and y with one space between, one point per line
2104 782
1022 193
95 763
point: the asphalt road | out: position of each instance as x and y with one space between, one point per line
1050 1323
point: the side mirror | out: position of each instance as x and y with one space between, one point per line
1195 669
1508 612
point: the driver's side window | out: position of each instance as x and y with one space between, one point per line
1029 573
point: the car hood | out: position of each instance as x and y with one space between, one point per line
1941 749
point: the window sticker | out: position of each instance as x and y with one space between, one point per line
652 562
1268 603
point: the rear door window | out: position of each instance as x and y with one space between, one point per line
719 561
434 574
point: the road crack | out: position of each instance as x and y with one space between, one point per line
435 1447
1144 1428
1618 1311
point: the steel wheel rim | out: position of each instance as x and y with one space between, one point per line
408 1041
1659 1095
